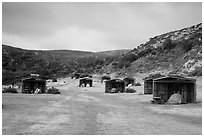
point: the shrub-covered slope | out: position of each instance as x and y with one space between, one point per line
174 52
19 63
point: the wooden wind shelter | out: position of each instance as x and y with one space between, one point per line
164 87
29 85
148 86
117 84
85 81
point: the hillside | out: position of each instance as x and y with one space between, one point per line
113 52
20 63
175 52
68 56
83 61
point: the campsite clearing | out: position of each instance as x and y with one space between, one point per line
91 111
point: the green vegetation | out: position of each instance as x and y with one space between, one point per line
193 41
18 63
153 76
9 90
130 90
168 44
169 51
52 91
196 72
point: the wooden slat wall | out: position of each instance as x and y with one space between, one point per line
185 89
148 87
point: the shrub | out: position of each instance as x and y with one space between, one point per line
129 57
140 93
141 54
185 71
130 90
153 76
196 72
53 91
152 41
175 71
154 52
122 64
137 84
187 45
168 44
9 90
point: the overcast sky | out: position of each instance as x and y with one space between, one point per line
92 26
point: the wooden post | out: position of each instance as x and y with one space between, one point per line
22 86
153 88
194 90
144 87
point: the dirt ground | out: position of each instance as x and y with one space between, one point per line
90 111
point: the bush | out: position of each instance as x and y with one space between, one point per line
175 71
9 90
168 44
140 93
53 91
154 52
122 64
137 84
130 90
129 57
153 76
141 54
196 72
187 45
152 41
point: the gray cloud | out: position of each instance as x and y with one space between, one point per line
92 26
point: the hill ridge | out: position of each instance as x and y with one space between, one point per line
178 51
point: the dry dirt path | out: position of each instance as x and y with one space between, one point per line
89 111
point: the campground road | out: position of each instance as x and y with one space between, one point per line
90 111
